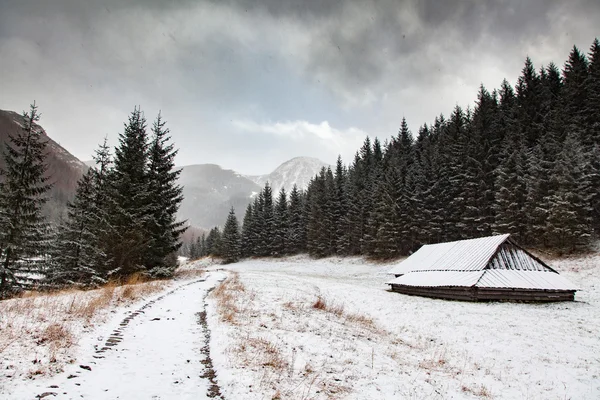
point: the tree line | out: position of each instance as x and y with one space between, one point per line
121 221
524 160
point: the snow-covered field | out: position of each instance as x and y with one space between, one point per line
157 356
298 328
362 342
44 338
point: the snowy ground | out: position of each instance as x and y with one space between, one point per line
303 329
363 342
157 358
149 348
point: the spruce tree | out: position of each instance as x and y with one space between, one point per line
202 251
384 237
230 242
339 205
165 197
511 192
575 96
213 243
78 257
193 249
294 239
316 229
593 129
569 223
281 225
104 202
266 233
257 225
529 117
130 196
23 186
248 239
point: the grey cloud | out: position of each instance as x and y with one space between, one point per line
353 63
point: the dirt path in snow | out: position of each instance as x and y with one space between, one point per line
159 351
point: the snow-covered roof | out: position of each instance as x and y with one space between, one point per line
462 255
489 262
499 279
439 278
546 280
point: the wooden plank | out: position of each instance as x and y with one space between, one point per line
485 294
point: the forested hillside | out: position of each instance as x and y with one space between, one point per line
64 169
523 160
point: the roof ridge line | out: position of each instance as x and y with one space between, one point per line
487 263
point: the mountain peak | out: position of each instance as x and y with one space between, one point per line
297 171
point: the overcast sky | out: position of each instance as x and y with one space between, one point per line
251 84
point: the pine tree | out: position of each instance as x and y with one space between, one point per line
384 230
529 117
511 192
281 222
455 159
487 141
230 242
329 207
103 200
165 197
317 230
575 96
266 233
257 225
213 243
203 252
130 197
193 249
593 129
569 223
339 205
77 255
248 239
295 236
23 232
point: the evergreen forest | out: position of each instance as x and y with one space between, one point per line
122 220
524 160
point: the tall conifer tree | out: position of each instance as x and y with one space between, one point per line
23 186
165 197
78 257
131 210
230 239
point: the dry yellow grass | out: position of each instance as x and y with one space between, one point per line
258 350
227 295
45 326
481 391
189 273
338 310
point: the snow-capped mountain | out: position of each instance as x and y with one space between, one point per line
210 191
297 171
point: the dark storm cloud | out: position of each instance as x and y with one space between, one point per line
355 64
360 44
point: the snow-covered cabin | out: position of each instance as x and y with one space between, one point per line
488 268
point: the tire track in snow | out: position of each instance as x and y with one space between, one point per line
117 335
213 390
161 369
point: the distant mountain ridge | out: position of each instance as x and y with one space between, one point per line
64 169
210 191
